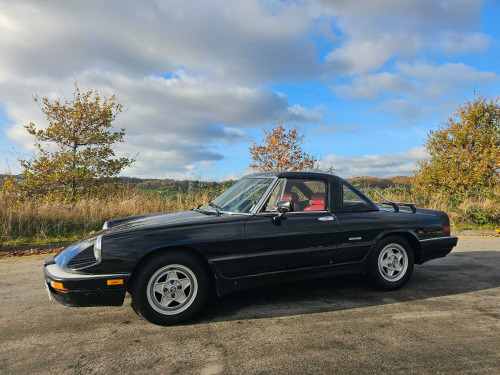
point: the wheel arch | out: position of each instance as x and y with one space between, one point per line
161 250
408 235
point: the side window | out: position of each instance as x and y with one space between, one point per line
276 196
352 201
306 195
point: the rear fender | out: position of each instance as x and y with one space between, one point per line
408 234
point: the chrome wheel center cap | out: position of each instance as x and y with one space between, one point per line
392 261
171 291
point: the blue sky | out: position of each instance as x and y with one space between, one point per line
365 80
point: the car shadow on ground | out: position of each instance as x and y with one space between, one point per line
459 272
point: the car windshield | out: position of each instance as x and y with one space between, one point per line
242 196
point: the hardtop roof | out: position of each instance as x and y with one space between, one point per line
292 174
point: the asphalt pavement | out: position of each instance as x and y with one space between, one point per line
445 320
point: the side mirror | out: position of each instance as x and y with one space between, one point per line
283 208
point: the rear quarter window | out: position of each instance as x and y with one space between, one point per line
352 201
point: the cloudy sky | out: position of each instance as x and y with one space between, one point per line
366 80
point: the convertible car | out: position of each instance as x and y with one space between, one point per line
267 228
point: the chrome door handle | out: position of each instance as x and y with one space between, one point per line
326 218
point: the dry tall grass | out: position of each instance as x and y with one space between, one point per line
467 213
31 220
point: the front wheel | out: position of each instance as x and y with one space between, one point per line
392 263
170 289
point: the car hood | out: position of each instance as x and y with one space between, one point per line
131 223
161 219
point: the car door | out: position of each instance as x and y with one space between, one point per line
302 239
359 221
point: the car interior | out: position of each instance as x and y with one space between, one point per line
306 195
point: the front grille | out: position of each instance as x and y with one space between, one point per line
83 259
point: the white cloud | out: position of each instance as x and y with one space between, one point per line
415 90
385 165
455 43
246 39
372 85
376 31
368 54
420 80
381 40
435 81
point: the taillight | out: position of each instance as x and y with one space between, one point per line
446 229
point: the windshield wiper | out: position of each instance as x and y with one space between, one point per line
217 208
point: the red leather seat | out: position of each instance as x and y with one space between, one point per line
291 196
317 202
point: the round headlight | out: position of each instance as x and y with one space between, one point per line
97 248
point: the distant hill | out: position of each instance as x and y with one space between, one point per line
168 184
381 183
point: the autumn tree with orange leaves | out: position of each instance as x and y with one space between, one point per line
281 150
74 157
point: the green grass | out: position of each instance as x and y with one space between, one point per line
472 226
37 241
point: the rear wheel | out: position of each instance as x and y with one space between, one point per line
170 288
392 263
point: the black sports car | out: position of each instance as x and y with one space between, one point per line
267 228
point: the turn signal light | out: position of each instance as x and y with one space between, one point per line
58 286
115 282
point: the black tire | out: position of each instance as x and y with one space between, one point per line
392 255
178 275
